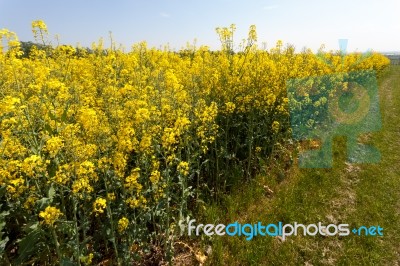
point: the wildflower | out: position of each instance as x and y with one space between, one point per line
87 260
126 138
16 187
119 163
123 224
4 176
88 118
32 165
86 169
50 215
8 104
230 107
181 124
169 138
111 196
275 126
99 205
54 145
142 115
145 143
131 182
209 114
252 34
40 25
104 163
183 168
155 177
81 185
134 202
62 174
30 202
90 258
39 30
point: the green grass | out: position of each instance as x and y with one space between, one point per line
365 194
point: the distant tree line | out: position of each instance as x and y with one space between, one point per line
27 47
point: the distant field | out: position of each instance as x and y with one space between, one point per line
394 58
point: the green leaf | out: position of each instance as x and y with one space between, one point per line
43 202
51 193
2 191
48 129
52 116
2 225
4 214
65 114
3 244
27 246
67 262
34 226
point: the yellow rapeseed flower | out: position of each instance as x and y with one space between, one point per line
275 126
111 196
32 165
155 177
131 181
54 145
123 224
183 168
99 205
230 107
50 215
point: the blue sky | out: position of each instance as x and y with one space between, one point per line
367 24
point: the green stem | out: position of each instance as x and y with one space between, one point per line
167 247
217 181
250 146
53 232
110 217
77 233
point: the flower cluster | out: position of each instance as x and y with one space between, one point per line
50 215
123 224
99 205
